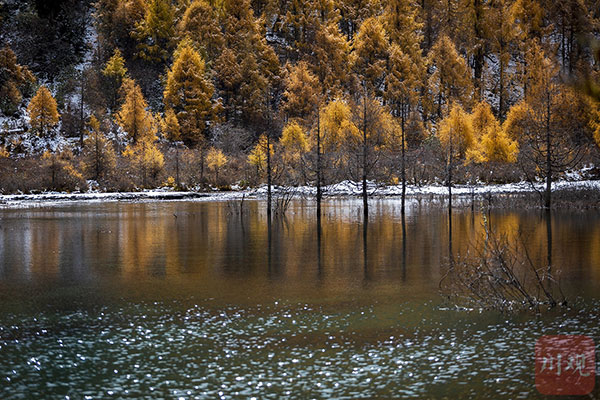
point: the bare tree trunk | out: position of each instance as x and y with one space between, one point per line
177 164
403 117
53 174
548 196
116 133
450 156
97 156
549 239
202 164
365 250
319 247
269 178
364 162
501 93
269 246
319 172
81 119
403 247
549 254
478 57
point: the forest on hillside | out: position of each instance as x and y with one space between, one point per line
131 94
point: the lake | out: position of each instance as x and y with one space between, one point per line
188 299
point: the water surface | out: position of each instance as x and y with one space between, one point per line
191 300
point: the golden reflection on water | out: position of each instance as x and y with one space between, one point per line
205 243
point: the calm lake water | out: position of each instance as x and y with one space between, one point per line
190 300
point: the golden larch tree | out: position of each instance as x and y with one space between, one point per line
552 122
258 154
189 94
156 32
215 161
248 67
294 143
450 80
200 23
329 59
43 113
493 143
15 80
146 159
134 117
115 73
170 127
455 133
370 54
302 89
98 153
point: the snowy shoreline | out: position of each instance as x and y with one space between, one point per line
342 189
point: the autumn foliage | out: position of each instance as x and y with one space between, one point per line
43 112
397 91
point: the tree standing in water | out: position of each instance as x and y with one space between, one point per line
456 138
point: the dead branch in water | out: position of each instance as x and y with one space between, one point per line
498 274
283 198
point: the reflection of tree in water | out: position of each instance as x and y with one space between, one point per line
499 273
365 237
206 242
403 243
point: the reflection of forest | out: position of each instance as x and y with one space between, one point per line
204 241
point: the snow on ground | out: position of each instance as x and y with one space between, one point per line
349 188
345 188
